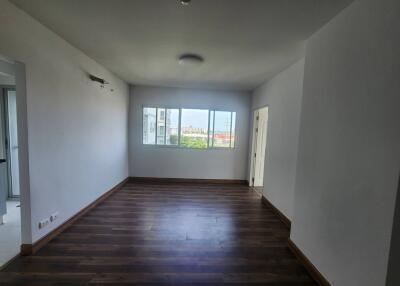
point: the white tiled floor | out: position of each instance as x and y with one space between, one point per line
10 233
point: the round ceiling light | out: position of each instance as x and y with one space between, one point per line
191 60
185 2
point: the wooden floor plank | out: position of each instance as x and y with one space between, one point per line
168 234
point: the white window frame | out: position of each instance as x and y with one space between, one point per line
213 130
212 147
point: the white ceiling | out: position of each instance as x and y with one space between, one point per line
244 42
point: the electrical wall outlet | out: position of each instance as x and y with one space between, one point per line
54 216
43 223
48 220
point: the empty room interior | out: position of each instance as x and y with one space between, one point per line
200 142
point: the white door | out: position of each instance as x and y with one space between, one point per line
259 146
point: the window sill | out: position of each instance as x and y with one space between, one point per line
151 146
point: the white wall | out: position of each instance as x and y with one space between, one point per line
165 162
77 132
283 95
349 144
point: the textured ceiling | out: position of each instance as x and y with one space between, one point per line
244 42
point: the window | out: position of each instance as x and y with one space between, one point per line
194 128
211 129
222 129
189 128
172 124
233 129
160 126
149 125
162 114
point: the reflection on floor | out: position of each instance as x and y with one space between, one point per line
10 233
258 190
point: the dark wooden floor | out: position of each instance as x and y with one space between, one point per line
168 234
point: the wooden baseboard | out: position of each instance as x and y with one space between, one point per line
29 249
312 270
283 218
186 181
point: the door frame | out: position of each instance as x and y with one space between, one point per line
254 133
17 69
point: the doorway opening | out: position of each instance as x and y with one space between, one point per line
10 214
259 144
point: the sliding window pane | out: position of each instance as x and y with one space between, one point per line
233 132
172 127
211 129
194 128
222 129
149 125
160 126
